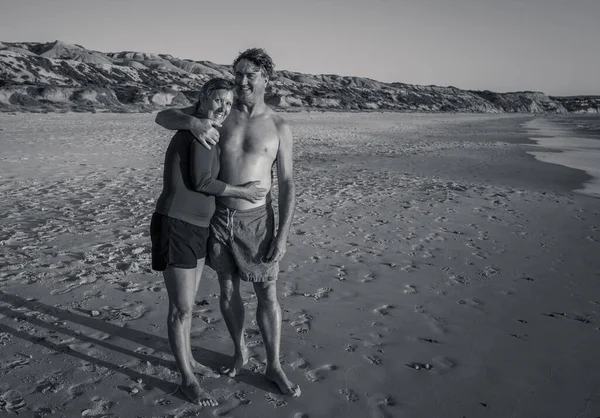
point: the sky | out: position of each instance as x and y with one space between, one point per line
551 46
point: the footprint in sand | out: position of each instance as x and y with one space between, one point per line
319 373
321 293
315 258
302 324
256 366
578 318
341 272
299 362
374 360
429 340
436 323
458 279
349 395
419 309
50 384
100 408
472 303
77 390
368 278
251 332
75 281
225 407
409 268
483 235
489 272
383 310
379 404
127 312
133 287
469 244
482 255
443 364
12 401
275 401
410 289
290 289
374 344
416 248
15 364
419 366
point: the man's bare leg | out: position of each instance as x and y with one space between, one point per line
180 284
196 366
268 316
232 309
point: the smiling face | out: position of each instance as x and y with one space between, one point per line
250 81
217 105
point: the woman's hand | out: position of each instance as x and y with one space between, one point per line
252 192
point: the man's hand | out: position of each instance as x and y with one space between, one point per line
277 250
205 132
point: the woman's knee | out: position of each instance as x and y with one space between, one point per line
180 313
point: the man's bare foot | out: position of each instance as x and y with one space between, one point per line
239 360
196 394
278 377
202 369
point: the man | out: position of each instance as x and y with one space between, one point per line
243 242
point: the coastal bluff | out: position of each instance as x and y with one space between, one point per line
60 77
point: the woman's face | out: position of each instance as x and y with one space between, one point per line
217 106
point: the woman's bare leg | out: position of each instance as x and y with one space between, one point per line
180 284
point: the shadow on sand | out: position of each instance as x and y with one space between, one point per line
210 358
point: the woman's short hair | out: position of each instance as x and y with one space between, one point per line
212 85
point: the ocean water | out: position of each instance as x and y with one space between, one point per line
579 150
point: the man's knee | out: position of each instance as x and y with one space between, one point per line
229 286
266 292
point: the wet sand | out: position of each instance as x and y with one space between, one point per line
435 269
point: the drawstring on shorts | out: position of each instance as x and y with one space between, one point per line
230 222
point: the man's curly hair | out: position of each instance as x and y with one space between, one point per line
258 57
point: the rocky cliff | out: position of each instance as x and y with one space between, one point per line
55 76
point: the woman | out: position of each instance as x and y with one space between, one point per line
179 228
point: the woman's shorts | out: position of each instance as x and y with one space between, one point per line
176 243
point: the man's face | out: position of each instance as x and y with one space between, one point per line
250 82
218 105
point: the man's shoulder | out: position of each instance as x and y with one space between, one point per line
278 121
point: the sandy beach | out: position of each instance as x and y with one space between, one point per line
436 268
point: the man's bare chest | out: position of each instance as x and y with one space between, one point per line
245 138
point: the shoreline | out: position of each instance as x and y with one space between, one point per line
565 145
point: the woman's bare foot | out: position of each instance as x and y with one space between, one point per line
196 395
202 369
278 377
239 360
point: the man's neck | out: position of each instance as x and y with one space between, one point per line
252 109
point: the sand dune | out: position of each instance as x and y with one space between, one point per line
435 269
